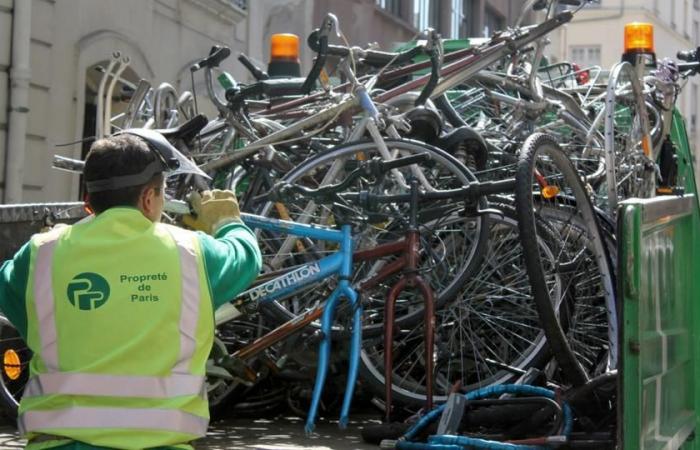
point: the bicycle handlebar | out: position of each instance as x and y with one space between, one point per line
692 66
689 55
318 63
217 54
283 86
435 53
470 192
257 72
375 167
374 58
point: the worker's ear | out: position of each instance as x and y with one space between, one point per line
149 202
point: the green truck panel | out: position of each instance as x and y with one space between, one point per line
659 291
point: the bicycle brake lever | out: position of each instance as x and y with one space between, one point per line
330 23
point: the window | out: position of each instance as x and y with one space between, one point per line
585 56
456 18
391 6
468 17
420 13
434 14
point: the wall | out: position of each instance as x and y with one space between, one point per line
161 37
5 53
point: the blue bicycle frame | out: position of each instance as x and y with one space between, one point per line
338 263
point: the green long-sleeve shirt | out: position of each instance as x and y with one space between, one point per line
232 260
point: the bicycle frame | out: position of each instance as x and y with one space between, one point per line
338 263
407 249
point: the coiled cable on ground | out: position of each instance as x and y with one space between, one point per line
446 442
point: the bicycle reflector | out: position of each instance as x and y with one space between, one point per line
11 364
639 38
550 191
284 55
169 161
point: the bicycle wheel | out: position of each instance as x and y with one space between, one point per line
546 177
15 368
490 325
451 241
628 146
584 313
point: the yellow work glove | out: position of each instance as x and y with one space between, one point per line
212 210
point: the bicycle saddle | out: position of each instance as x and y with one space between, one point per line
188 130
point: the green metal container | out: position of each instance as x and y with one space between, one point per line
659 291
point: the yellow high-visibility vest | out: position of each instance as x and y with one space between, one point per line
120 321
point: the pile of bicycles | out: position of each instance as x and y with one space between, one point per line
431 223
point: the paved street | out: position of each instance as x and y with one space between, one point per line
283 433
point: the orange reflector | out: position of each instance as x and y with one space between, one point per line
11 364
284 46
550 191
639 37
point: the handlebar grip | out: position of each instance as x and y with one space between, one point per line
217 54
688 55
235 96
257 73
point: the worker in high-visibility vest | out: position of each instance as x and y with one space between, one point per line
119 310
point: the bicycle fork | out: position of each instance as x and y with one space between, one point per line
414 280
343 290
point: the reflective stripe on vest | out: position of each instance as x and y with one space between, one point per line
189 314
114 385
134 418
45 305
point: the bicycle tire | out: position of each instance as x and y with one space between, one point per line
545 147
12 384
455 175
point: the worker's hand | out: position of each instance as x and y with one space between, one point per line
212 210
